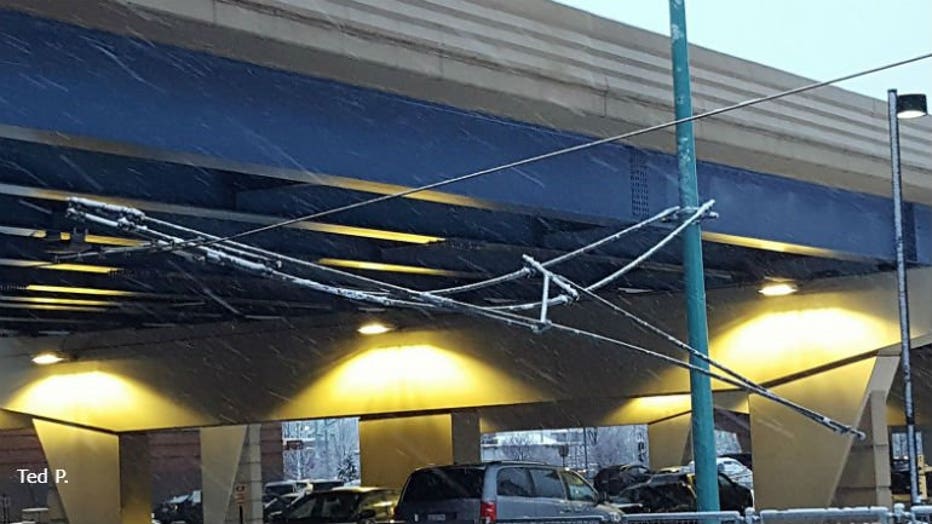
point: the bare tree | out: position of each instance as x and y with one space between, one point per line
619 445
519 446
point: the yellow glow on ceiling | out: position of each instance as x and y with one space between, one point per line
415 366
106 240
82 393
771 245
394 268
80 290
382 188
777 343
41 264
365 232
50 307
65 235
93 389
406 371
642 410
220 214
81 268
55 300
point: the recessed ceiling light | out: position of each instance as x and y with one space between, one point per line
48 357
374 328
80 290
778 289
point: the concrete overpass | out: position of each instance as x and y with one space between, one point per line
226 114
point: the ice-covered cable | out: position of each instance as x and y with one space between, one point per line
748 384
565 299
244 249
420 299
562 258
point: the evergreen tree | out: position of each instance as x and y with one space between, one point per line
348 470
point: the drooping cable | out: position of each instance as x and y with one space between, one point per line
563 298
128 220
256 253
748 384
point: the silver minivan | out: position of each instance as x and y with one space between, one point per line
493 492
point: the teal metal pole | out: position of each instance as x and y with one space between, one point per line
703 422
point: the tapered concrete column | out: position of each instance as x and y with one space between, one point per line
106 477
467 438
865 480
248 477
231 474
799 463
389 449
135 478
669 441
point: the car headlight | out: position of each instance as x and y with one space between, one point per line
615 517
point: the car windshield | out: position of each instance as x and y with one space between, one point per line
444 484
326 507
280 489
325 485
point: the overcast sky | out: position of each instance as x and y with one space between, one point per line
819 39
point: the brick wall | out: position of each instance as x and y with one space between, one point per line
175 459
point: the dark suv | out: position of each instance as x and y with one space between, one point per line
613 479
675 492
499 491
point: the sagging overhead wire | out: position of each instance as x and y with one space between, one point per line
748 384
564 298
262 255
252 261
501 279
514 164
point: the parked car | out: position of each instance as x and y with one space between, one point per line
278 504
284 487
182 508
350 505
744 458
613 479
733 469
899 477
486 492
675 492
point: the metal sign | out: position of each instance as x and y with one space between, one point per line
239 493
294 444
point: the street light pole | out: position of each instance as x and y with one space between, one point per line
703 422
893 113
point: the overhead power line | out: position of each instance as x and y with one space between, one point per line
269 265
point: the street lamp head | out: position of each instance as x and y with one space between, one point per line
911 106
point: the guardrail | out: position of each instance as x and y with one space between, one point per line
919 514
707 517
858 515
569 519
861 515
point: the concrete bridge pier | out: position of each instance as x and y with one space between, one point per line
231 474
797 463
669 441
102 477
390 448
